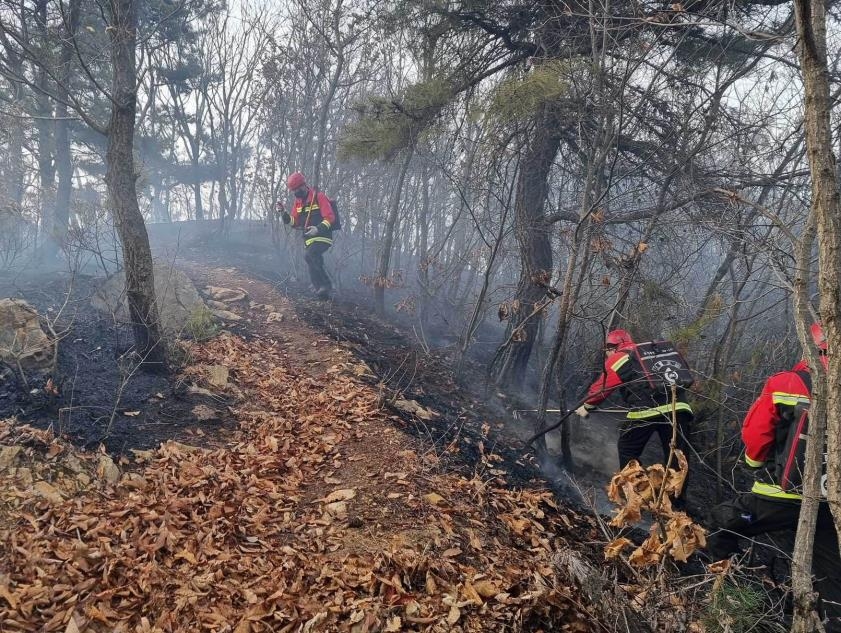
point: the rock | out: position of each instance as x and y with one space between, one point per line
177 298
226 295
201 391
107 469
8 454
413 407
204 413
22 340
48 492
217 375
216 305
275 316
225 315
73 463
337 508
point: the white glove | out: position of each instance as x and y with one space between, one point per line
311 231
583 411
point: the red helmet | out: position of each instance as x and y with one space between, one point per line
818 336
295 181
618 338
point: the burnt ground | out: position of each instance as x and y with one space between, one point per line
471 420
89 374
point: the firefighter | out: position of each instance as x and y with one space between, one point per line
774 433
649 410
313 214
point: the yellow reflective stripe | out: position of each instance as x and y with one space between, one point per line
653 412
322 240
790 399
772 490
615 366
752 463
326 224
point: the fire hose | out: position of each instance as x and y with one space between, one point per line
565 415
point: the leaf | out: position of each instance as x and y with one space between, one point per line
615 547
486 588
394 624
340 495
72 627
719 567
642 247
131 414
433 498
454 615
186 555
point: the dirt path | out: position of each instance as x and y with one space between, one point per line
323 511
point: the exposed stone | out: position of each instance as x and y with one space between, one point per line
22 340
176 295
48 492
275 316
226 315
107 469
226 295
216 305
8 454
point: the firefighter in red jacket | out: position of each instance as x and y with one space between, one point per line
774 433
649 411
313 214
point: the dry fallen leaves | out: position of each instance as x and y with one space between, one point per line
636 489
252 536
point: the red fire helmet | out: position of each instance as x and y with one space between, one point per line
295 181
618 338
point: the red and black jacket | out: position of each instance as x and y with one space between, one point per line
774 433
314 210
622 371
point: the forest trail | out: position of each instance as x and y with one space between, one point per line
319 512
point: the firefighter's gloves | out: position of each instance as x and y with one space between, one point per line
584 410
311 231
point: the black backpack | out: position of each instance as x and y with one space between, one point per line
662 365
337 225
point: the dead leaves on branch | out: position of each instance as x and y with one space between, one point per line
636 489
258 535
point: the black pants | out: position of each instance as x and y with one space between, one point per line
314 256
635 434
750 515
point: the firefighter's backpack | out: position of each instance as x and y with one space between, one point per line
662 365
334 204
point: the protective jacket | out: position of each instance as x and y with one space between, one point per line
622 371
774 433
314 210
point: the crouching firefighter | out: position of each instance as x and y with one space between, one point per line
774 433
313 214
643 374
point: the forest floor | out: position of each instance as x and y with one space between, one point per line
308 469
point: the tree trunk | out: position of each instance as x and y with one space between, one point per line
512 359
388 238
424 295
811 28
121 181
46 165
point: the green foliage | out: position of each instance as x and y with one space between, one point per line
691 332
519 97
201 325
738 609
387 126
